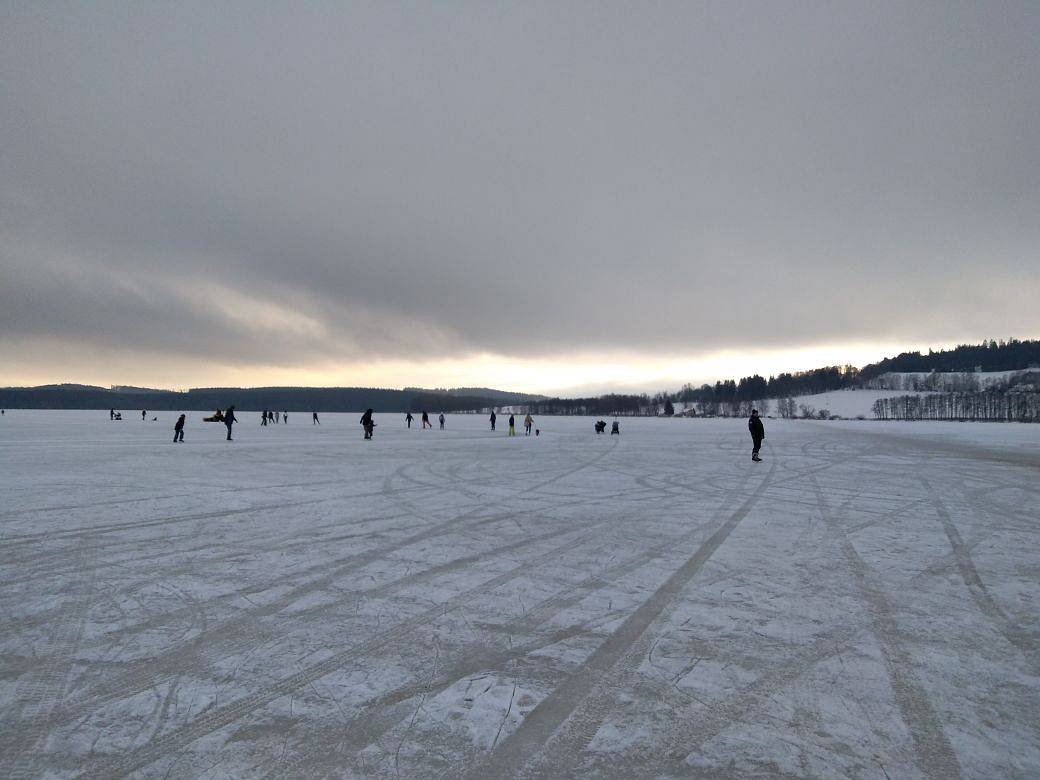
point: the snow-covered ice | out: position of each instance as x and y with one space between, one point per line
300 602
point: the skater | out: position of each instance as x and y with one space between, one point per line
229 420
615 428
178 430
263 419
493 418
367 424
314 419
143 415
111 414
285 417
528 422
408 420
512 425
758 433
441 420
426 421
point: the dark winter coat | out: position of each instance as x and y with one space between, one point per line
179 425
754 425
229 416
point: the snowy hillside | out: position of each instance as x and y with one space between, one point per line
844 403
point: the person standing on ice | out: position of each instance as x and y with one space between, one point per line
143 415
367 424
111 414
758 433
263 418
493 418
512 425
528 422
441 419
408 419
426 421
314 418
229 420
178 429
285 417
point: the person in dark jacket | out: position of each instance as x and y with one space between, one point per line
493 418
367 424
229 420
426 421
314 419
178 429
758 433
441 419
408 419
512 425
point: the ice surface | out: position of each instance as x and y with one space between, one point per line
300 602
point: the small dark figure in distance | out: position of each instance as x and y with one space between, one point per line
285 418
493 418
263 418
408 419
758 433
615 428
229 420
314 419
441 420
512 425
537 431
601 425
426 421
111 414
178 429
367 424
143 415
119 415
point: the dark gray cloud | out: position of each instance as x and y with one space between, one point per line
399 179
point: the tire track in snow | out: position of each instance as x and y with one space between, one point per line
45 688
224 638
535 731
138 679
380 714
220 716
934 755
977 588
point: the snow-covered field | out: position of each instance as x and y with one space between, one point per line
865 603
845 403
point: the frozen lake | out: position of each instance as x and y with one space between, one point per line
864 603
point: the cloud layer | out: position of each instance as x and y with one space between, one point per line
301 185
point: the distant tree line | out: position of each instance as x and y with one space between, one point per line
292 399
750 388
999 405
1010 355
613 405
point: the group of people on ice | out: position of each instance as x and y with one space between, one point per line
368 425
272 417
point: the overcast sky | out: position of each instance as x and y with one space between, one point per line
553 195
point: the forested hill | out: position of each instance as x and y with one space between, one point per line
1011 355
291 399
